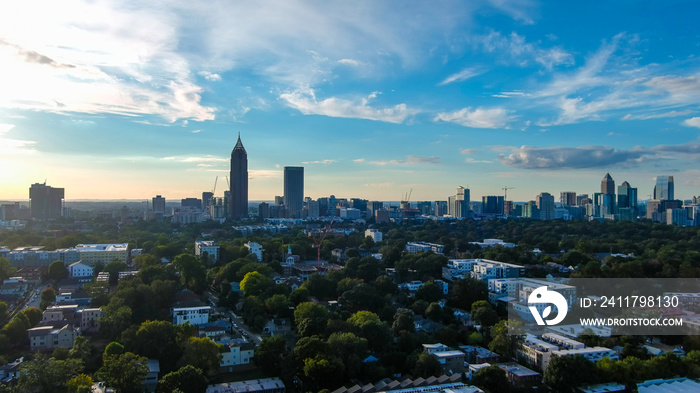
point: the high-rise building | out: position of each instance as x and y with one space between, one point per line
567 198
206 199
191 202
462 200
45 202
238 202
607 185
294 190
158 203
626 196
440 208
664 188
582 199
492 204
545 204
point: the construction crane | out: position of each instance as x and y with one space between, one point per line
213 191
505 192
405 200
317 243
227 183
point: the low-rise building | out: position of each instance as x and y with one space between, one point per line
193 315
255 249
9 373
418 247
236 354
475 354
593 354
149 383
375 234
90 320
80 269
278 327
47 338
266 385
208 247
519 375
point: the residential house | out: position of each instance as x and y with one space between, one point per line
47 338
278 327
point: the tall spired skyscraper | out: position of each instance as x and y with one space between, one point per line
607 186
238 202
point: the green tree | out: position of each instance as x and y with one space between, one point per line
492 379
80 384
113 268
187 379
270 353
566 373
6 270
156 340
113 349
57 271
255 284
34 315
465 292
202 353
430 292
48 296
3 312
351 350
47 375
124 372
426 366
192 273
116 318
503 341
310 318
483 313
403 322
323 372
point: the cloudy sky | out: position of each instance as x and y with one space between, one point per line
128 99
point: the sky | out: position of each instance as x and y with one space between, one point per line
129 99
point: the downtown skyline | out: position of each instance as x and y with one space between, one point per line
113 100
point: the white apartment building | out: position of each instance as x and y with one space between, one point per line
418 247
193 315
209 246
236 354
79 269
105 253
375 234
593 354
256 249
45 338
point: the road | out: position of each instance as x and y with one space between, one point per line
249 334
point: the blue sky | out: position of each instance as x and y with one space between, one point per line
122 99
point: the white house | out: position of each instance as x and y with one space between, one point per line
207 246
375 234
256 249
236 354
193 315
79 269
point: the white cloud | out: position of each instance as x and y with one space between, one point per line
460 76
515 49
4 128
387 184
358 160
196 131
630 116
204 159
692 122
351 62
210 76
411 160
468 151
477 118
470 160
264 174
322 162
304 100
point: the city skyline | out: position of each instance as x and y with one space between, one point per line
373 101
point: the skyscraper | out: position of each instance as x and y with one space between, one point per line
294 190
567 198
607 186
238 202
626 196
45 202
545 203
664 188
